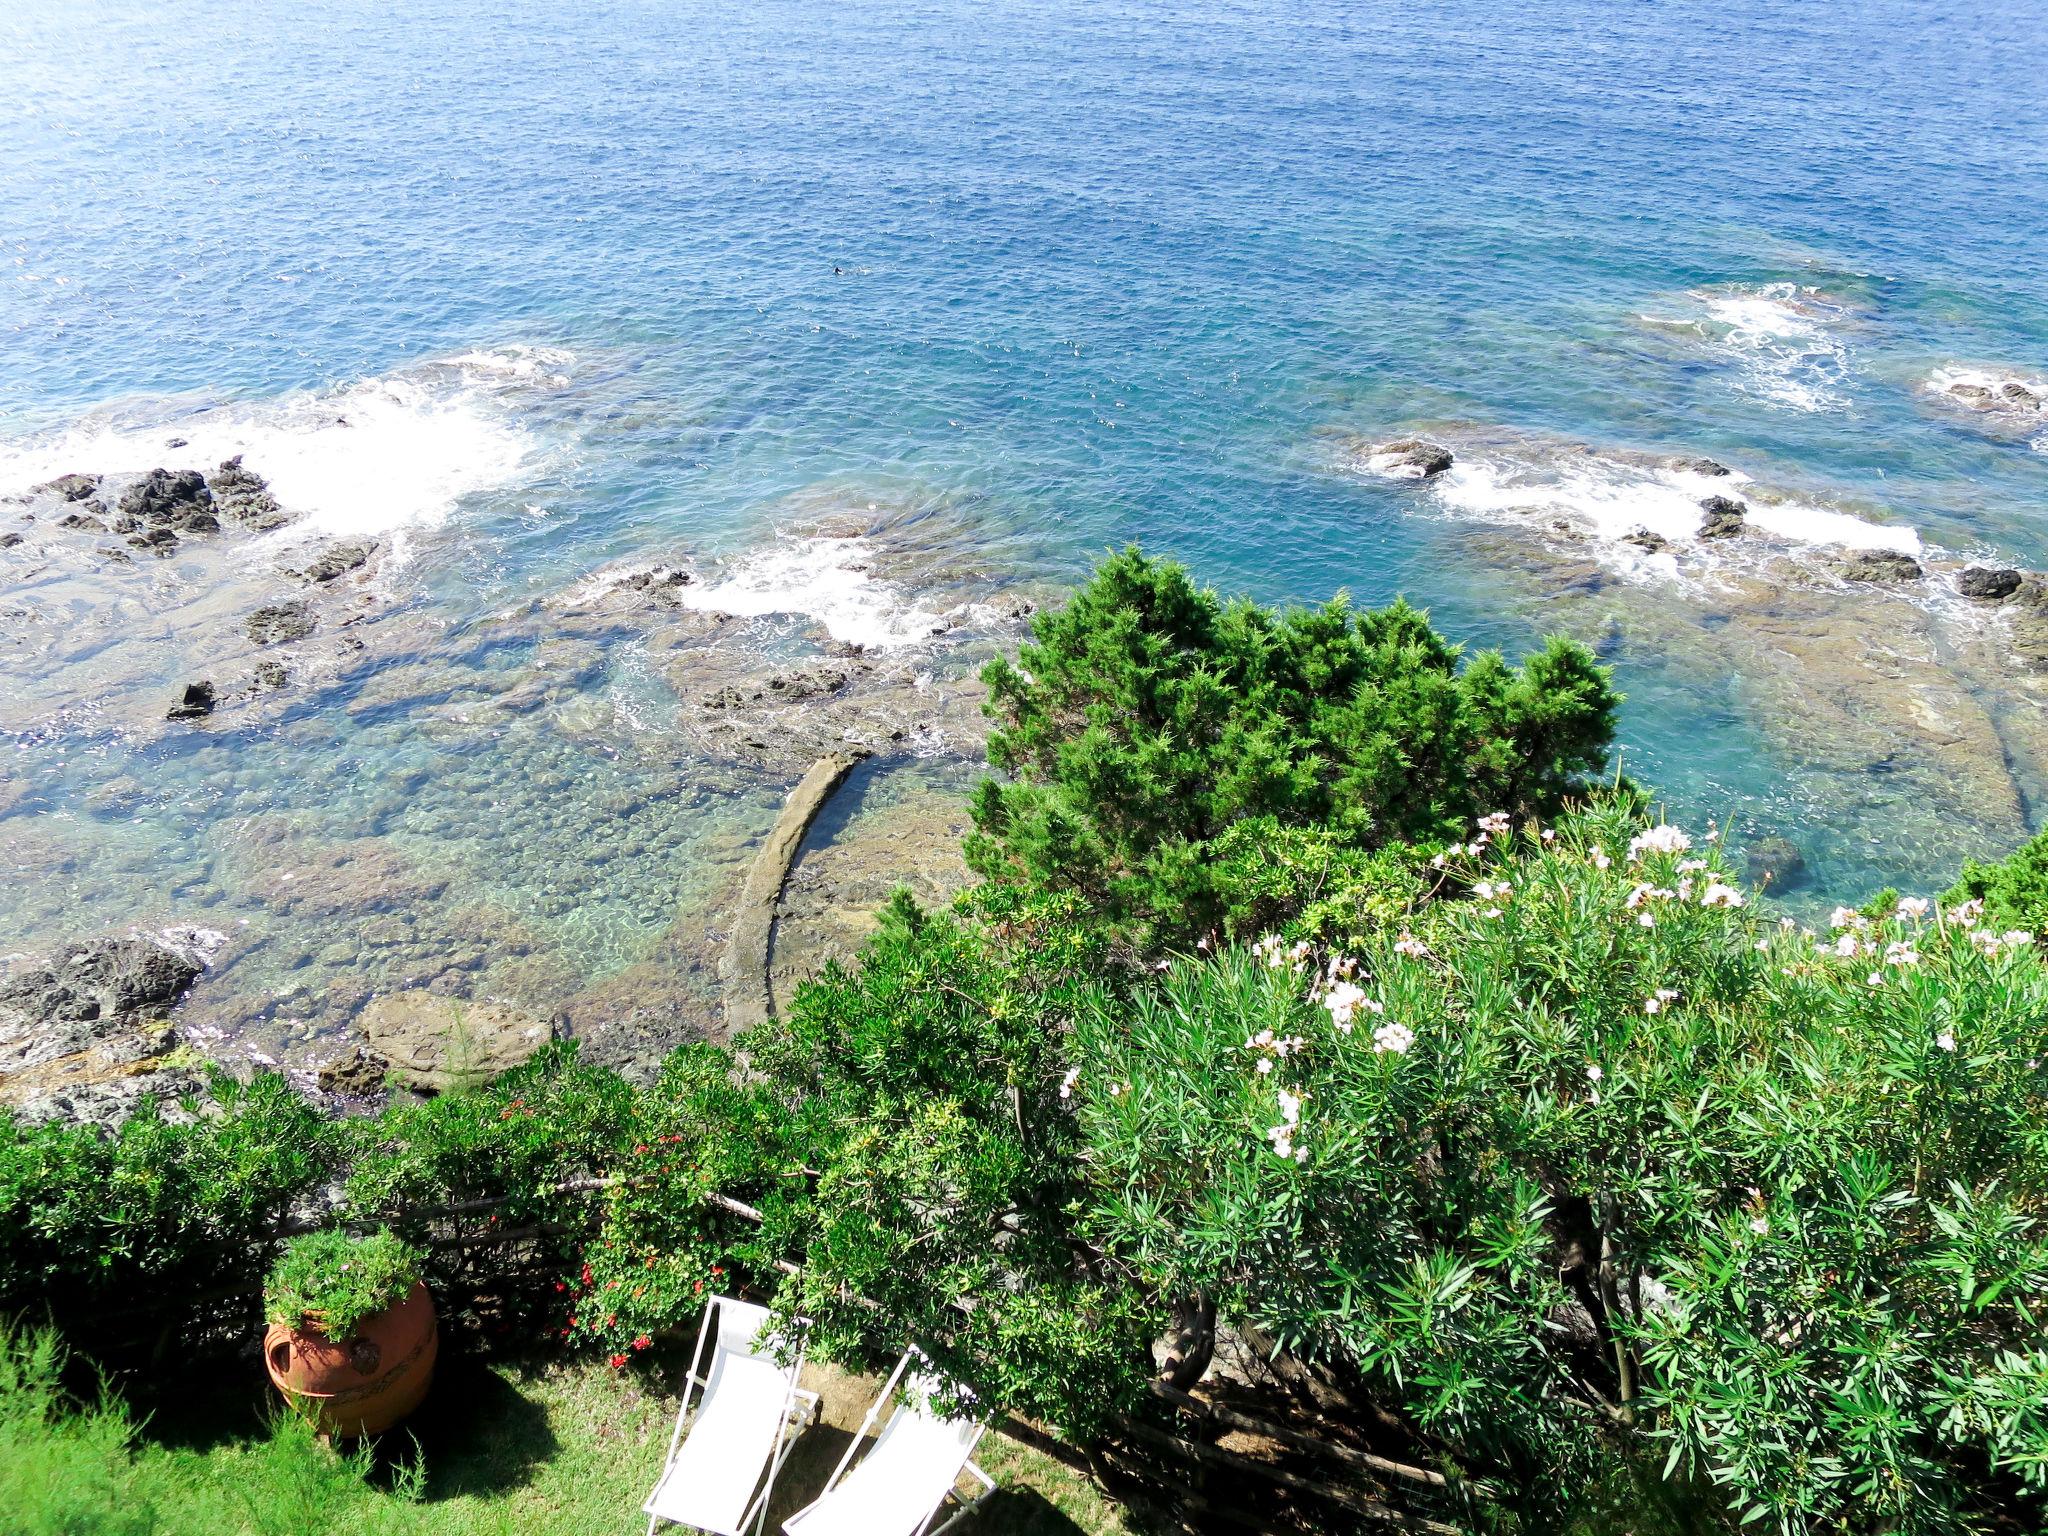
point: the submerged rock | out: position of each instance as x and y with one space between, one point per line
1412 455
279 623
197 700
1648 538
1988 583
1776 862
436 1043
336 560
1699 467
1724 517
272 674
1884 566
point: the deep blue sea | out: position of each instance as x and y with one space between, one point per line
593 282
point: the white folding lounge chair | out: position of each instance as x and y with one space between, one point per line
901 1483
745 1401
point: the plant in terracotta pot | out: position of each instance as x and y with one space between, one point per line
352 1332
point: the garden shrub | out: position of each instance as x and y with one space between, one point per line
2014 889
1149 716
1599 1163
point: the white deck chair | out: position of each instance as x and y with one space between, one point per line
745 1400
901 1484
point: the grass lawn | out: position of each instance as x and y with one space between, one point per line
548 1450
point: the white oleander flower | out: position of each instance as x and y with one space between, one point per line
1410 946
1594 1074
1657 1002
1067 1083
1262 1066
1759 1226
1945 1041
1495 823
1719 895
1843 917
1664 838
1691 866
1393 1036
1597 857
1845 946
1913 906
1550 834
1899 952
1646 921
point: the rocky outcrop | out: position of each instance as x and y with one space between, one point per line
1988 583
164 504
1698 466
433 1043
1885 567
1723 517
85 1032
1413 457
244 495
194 703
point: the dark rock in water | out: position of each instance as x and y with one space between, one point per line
70 487
174 499
84 1032
1724 518
2018 394
1646 538
272 674
175 442
1413 453
1776 862
9 540
160 541
1879 565
336 560
197 700
1699 467
280 622
1988 583
245 496
81 520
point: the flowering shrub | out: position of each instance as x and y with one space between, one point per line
2014 890
1597 1163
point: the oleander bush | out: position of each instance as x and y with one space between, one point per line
1149 716
1598 1162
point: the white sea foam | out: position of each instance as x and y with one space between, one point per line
374 458
1783 338
1987 389
825 578
1612 498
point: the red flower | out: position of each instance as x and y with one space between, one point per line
572 1322
717 1271
697 1289
618 1362
643 1342
561 1285
586 1274
641 1150
611 1285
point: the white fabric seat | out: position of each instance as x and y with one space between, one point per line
898 1488
746 1397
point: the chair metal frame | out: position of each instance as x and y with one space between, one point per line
967 1467
702 1359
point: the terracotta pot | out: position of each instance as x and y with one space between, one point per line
367 1382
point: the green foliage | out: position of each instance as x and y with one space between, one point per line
91 1221
1150 717
63 1465
1599 1166
924 1089
330 1281
2014 890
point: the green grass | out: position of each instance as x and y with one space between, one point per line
553 1450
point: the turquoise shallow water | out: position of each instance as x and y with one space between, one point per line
1075 274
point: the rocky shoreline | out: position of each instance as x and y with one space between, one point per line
365 964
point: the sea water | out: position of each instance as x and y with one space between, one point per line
526 290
